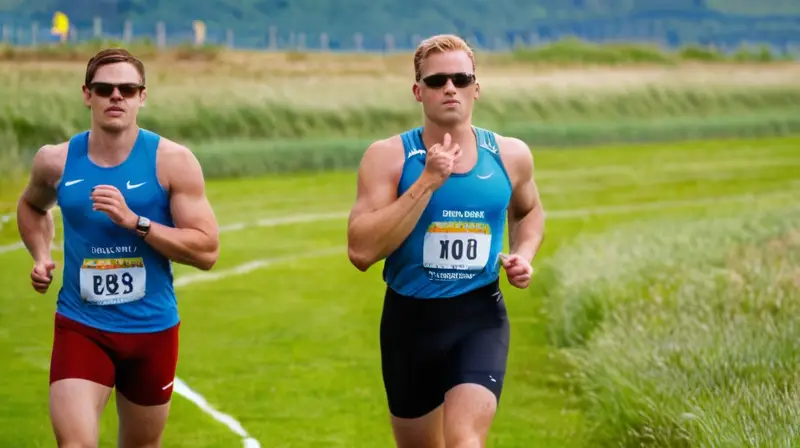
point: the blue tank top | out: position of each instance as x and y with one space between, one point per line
455 246
114 280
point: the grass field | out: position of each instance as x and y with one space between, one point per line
289 346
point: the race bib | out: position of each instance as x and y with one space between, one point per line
111 281
457 245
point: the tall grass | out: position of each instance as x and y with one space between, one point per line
277 101
30 118
685 333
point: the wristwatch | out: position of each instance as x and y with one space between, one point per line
143 226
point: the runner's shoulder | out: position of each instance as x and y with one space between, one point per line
512 146
177 163
384 153
386 147
49 161
515 153
174 151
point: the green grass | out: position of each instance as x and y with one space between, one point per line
244 158
571 51
685 338
291 350
566 51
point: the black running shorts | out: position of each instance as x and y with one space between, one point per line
428 346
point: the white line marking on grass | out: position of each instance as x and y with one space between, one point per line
552 214
11 247
290 219
21 245
251 266
4 219
180 387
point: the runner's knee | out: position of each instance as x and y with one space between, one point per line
76 444
465 441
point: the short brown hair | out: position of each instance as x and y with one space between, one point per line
112 56
439 44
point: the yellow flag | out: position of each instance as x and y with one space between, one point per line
60 24
199 32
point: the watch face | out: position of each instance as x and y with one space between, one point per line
143 222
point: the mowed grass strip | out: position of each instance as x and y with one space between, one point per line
291 350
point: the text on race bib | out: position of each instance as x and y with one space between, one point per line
457 245
111 281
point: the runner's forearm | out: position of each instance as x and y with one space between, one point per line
526 233
186 246
36 230
374 235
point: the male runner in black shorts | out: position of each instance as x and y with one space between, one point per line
432 201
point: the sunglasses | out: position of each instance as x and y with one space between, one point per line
438 80
105 89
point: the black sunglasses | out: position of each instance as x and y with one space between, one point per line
460 80
105 89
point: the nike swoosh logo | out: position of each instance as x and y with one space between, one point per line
72 182
486 176
131 187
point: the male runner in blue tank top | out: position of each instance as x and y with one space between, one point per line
433 202
132 202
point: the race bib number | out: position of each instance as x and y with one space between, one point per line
458 246
111 281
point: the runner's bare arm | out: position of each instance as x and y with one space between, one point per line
379 220
525 212
34 215
195 238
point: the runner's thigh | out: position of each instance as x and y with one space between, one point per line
144 387
81 377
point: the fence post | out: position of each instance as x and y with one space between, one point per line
358 40
389 42
127 32
34 34
229 38
98 27
161 35
273 37
324 42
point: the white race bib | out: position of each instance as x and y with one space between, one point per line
457 245
111 281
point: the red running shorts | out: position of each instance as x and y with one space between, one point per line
141 366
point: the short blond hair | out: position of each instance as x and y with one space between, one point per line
439 44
